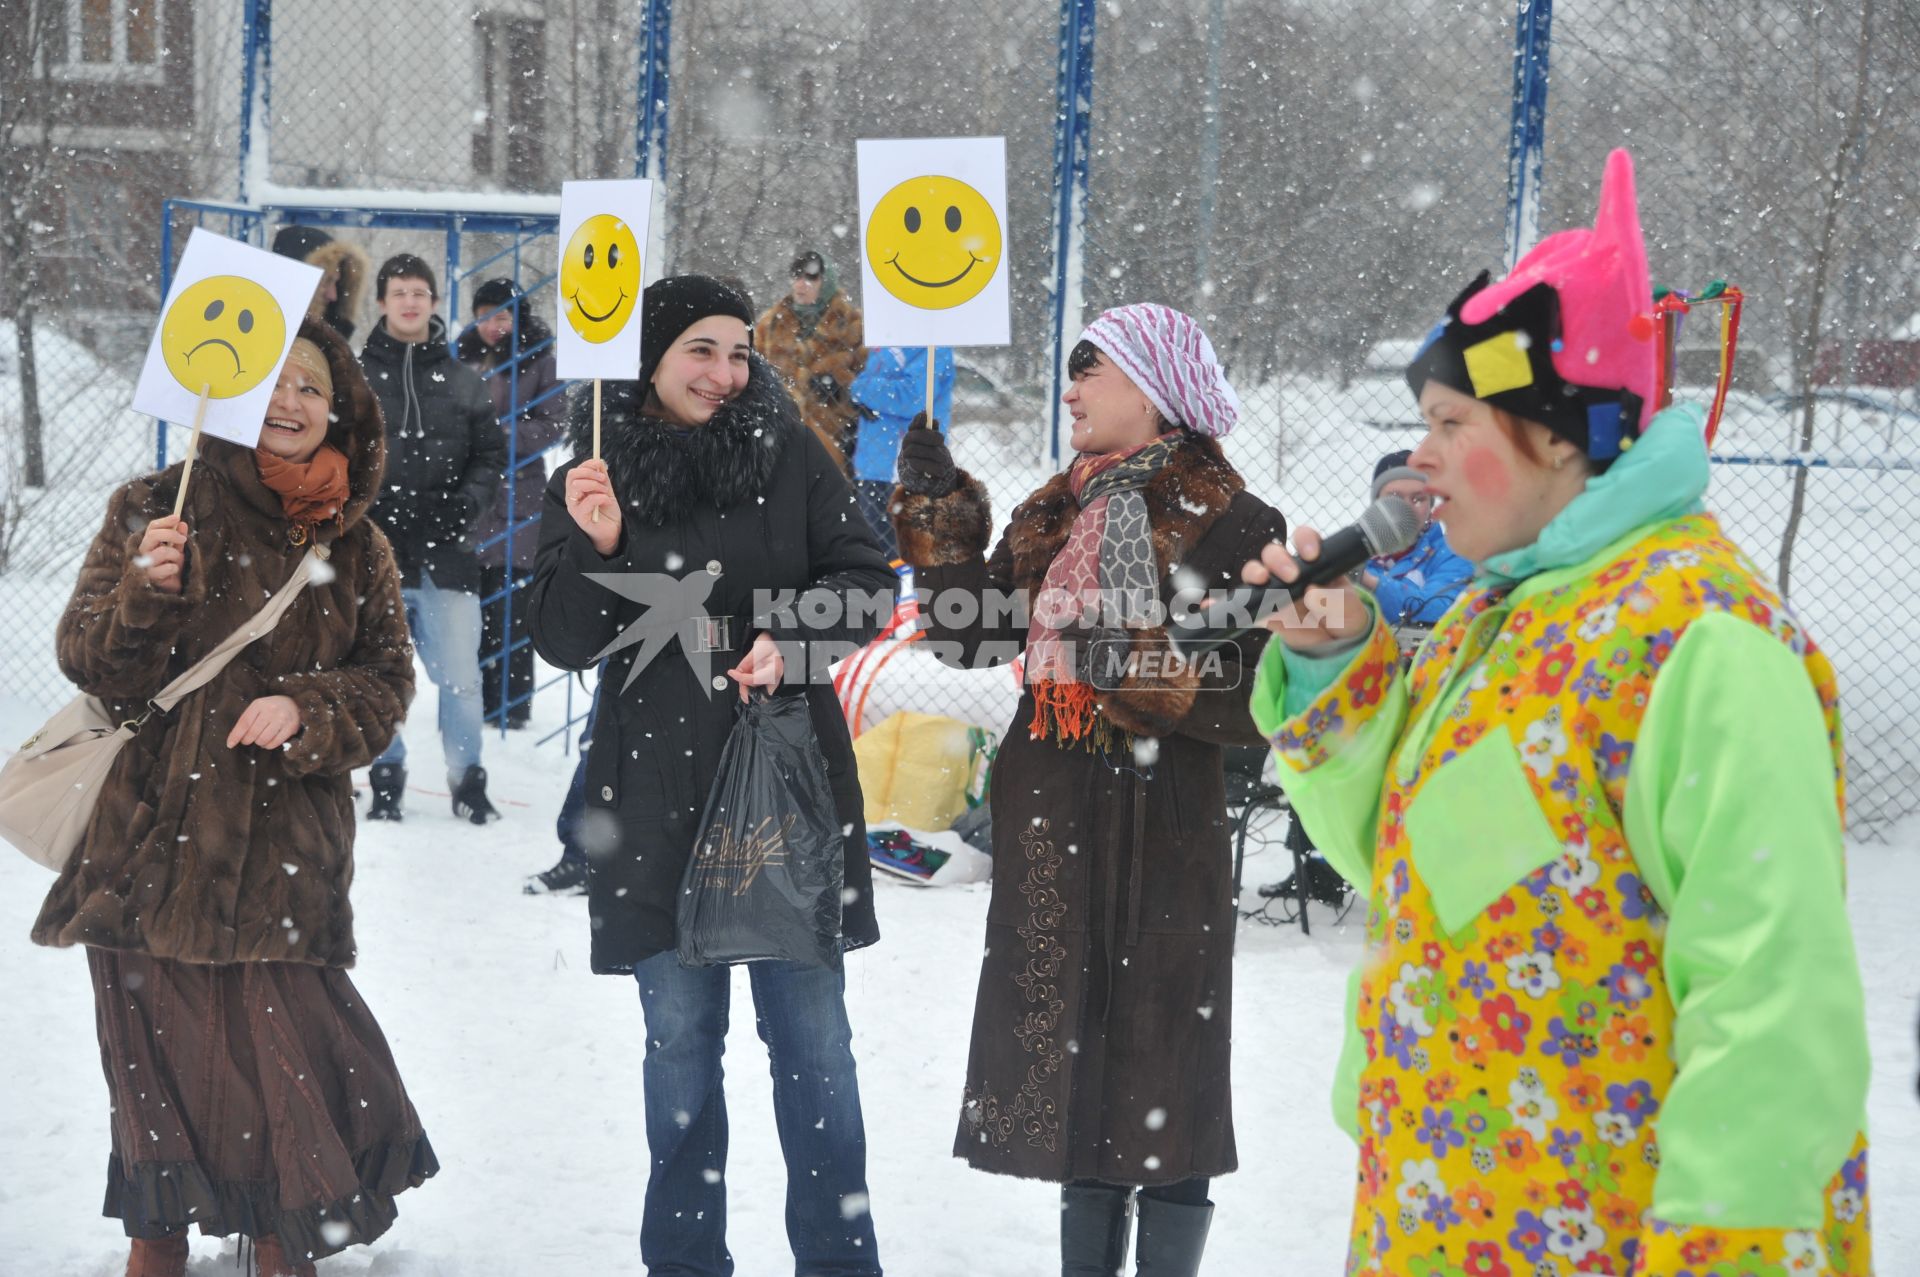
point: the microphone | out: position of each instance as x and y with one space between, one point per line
1388 526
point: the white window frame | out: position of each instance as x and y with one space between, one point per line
117 70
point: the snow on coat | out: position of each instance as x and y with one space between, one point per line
1103 1023
198 852
445 454
753 501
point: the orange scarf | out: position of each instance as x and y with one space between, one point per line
311 491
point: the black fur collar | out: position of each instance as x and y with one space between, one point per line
662 476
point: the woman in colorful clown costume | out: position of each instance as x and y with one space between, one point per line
1609 1018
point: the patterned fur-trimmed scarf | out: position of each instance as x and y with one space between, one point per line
1104 576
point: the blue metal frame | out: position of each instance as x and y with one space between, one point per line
1072 145
656 67
1527 135
256 75
247 222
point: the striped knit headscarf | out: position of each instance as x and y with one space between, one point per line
1165 354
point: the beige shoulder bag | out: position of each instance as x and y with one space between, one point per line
48 789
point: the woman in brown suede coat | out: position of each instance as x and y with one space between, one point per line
252 1090
1103 1024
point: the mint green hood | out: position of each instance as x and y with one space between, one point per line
1663 476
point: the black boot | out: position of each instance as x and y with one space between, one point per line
568 877
1324 884
389 781
470 797
1173 1236
1094 1228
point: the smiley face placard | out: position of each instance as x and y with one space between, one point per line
225 328
933 241
603 240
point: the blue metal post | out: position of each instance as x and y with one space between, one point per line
650 132
652 95
256 80
453 278
516 413
1072 142
1526 144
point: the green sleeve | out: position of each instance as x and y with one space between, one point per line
1732 815
1334 745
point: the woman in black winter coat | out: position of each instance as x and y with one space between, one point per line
712 500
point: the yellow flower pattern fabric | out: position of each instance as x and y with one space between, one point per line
1516 1035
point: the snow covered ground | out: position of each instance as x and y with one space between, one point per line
526 1070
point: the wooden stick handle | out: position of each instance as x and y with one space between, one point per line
596 435
930 387
193 450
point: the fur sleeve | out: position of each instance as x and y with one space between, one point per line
939 531
348 714
117 636
1156 693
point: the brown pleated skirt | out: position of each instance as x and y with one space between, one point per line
255 1098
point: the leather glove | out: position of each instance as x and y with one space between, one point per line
824 388
926 467
1100 655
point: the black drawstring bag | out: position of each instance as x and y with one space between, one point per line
764 880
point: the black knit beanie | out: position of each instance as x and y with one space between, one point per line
299 242
494 294
670 306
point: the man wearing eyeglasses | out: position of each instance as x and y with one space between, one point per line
445 456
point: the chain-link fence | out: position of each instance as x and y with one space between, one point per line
1313 181
79 268
1775 147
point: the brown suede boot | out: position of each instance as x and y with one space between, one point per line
158 1256
270 1260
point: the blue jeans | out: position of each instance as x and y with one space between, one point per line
446 631
801 1013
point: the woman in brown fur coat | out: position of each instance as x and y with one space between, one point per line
252 1092
816 339
1103 1024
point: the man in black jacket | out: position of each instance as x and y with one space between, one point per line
445 455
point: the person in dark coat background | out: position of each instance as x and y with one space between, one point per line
512 350
445 456
710 480
343 280
1103 1026
252 1090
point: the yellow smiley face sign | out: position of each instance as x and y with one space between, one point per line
600 277
933 242
225 333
